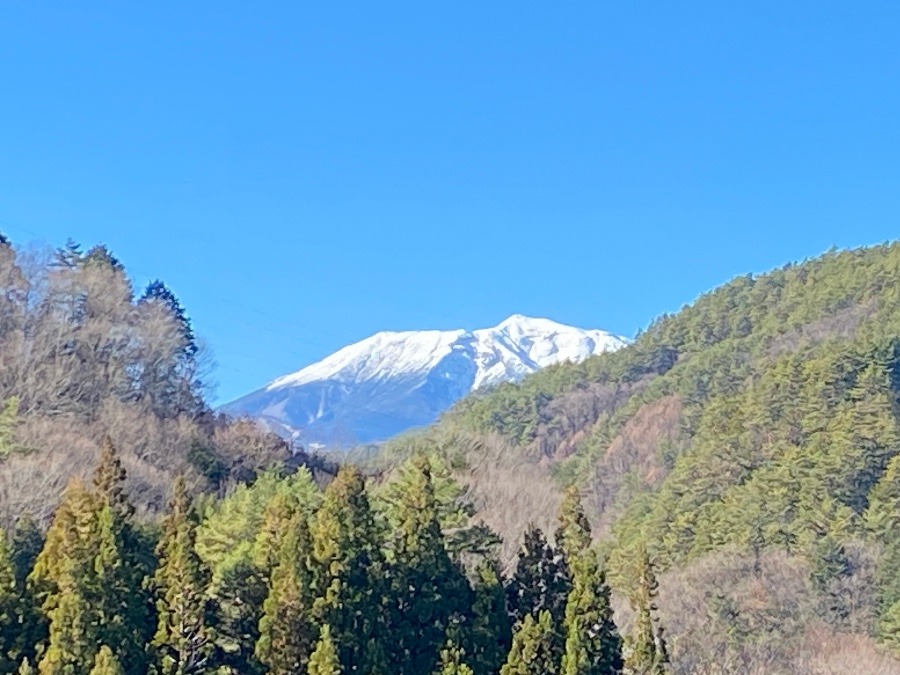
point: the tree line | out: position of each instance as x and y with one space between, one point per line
348 579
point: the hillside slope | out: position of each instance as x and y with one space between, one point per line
760 421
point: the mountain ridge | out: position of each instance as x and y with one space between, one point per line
392 381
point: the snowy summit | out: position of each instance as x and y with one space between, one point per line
393 381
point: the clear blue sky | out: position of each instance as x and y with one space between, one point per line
306 174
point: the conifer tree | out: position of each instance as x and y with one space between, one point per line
65 581
106 663
349 568
490 634
287 634
74 633
324 659
648 654
573 536
120 565
10 599
25 668
183 640
32 624
533 649
592 642
539 582
452 661
429 590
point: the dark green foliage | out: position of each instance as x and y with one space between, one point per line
183 642
533 649
463 536
648 653
287 634
490 633
593 645
574 534
10 603
350 569
540 581
429 592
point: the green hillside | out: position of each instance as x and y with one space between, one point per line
760 421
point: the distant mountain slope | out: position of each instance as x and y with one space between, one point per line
763 419
394 381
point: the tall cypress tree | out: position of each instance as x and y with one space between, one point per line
184 639
10 601
32 624
573 535
324 660
592 642
490 633
533 649
540 581
349 569
106 663
648 654
121 565
65 582
429 590
287 634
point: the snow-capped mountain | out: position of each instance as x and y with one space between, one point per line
394 381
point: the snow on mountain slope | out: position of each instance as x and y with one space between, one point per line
394 381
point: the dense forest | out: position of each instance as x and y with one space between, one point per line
281 577
732 476
749 442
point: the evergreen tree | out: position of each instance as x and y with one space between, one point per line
540 581
429 591
32 624
183 640
452 662
349 569
648 654
490 634
324 659
100 255
573 536
10 600
106 663
74 634
463 534
533 649
157 291
121 564
66 583
593 645
68 256
287 634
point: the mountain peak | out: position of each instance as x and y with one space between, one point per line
392 381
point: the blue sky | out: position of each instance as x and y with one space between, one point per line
306 174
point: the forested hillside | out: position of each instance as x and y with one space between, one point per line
722 496
750 442
83 356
